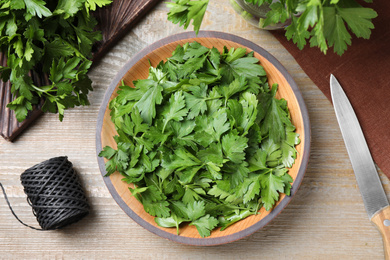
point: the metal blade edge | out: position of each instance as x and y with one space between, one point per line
367 177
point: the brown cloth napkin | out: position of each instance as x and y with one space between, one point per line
364 73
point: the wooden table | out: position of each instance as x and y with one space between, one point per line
325 220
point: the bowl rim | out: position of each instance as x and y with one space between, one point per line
276 210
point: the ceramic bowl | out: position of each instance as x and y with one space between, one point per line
137 68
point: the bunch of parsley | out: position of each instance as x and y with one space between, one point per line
203 139
52 38
324 23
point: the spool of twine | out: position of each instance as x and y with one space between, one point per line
55 194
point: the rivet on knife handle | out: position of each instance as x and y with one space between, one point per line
382 222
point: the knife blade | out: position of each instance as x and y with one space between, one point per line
370 186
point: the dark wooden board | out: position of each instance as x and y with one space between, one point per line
10 128
114 22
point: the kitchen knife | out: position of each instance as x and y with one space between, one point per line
370 186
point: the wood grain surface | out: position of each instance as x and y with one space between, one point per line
138 68
116 19
326 219
381 220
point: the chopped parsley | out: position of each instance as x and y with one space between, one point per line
203 139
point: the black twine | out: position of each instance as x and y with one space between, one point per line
54 192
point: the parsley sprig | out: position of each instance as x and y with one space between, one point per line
182 12
52 38
322 23
203 139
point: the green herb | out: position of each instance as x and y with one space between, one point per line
324 24
203 139
183 11
48 37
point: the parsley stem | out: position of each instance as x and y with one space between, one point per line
41 89
165 124
212 98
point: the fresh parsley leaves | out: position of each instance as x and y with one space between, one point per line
203 139
51 42
184 11
324 24
328 24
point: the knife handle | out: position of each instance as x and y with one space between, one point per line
381 220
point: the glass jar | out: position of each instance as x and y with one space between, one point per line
256 15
